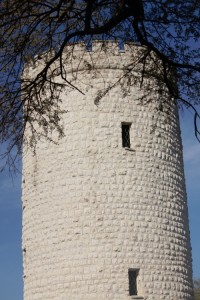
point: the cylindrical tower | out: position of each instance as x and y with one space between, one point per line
105 212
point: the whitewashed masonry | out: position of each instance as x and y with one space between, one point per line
95 211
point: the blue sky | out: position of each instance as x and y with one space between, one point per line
191 155
11 284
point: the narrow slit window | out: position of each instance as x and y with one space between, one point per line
126 135
132 276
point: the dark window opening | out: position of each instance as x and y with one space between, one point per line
126 135
132 276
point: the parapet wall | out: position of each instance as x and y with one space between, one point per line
102 54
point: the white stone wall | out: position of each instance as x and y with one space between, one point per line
92 209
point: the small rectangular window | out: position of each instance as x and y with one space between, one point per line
132 276
126 135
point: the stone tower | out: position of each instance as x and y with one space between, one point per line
105 213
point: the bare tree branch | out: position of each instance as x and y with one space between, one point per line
168 30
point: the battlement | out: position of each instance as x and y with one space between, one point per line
99 55
110 46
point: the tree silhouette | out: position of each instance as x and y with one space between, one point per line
197 289
168 29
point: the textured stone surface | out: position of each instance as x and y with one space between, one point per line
93 209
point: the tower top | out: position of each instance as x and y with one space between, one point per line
100 55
